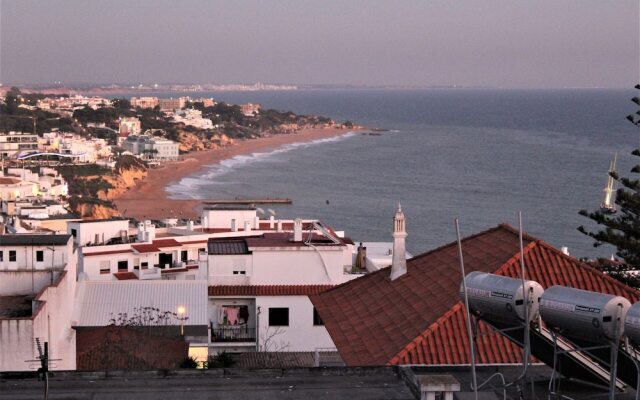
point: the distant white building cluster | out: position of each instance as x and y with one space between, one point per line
87 150
73 102
192 117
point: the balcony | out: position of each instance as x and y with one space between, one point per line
233 334
150 273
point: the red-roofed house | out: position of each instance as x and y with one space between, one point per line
418 318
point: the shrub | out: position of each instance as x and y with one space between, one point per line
220 360
188 362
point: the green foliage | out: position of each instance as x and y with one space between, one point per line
621 229
188 363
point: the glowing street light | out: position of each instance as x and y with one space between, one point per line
181 312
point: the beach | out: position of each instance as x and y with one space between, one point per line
148 199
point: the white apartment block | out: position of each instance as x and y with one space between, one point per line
37 290
15 143
259 273
144 102
152 148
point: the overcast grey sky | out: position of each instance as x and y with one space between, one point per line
501 43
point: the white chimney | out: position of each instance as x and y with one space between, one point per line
279 229
271 222
297 230
399 261
205 222
565 250
141 235
257 223
247 226
234 228
190 225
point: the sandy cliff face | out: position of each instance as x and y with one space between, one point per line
95 211
192 142
121 182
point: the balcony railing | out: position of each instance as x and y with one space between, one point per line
238 333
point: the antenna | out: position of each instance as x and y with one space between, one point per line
472 350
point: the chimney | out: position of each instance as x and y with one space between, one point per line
564 250
279 228
247 226
189 225
271 222
257 223
234 228
297 230
399 261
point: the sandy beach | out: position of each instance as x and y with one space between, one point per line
148 198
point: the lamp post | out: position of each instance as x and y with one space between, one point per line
181 312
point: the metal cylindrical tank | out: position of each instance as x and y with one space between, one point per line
500 298
581 314
632 324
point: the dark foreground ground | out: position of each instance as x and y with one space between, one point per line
302 383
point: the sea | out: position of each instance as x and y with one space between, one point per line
477 155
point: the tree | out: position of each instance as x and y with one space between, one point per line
622 228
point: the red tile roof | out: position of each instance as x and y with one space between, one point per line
118 347
155 245
267 290
124 276
419 319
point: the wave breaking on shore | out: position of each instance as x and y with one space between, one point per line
189 186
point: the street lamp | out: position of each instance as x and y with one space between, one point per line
181 312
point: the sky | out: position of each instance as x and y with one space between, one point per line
494 43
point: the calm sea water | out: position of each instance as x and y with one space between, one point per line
477 155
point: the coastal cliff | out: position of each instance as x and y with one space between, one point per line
92 187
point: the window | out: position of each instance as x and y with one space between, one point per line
1 255
317 321
144 265
74 233
136 263
123 265
105 271
239 272
278 316
183 256
12 255
39 255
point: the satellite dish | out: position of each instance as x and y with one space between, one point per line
271 212
260 210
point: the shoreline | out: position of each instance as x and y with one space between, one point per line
148 199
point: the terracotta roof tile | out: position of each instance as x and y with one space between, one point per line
124 276
267 290
419 319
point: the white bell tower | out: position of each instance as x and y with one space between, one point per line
399 261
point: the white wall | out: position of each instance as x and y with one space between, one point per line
26 257
301 334
222 218
50 323
86 231
302 265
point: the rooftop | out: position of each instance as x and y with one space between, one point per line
267 290
27 239
419 318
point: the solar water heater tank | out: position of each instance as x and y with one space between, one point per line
581 314
632 324
500 298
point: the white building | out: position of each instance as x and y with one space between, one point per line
259 273
192 117
37 288
152 148
15 143
144 102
